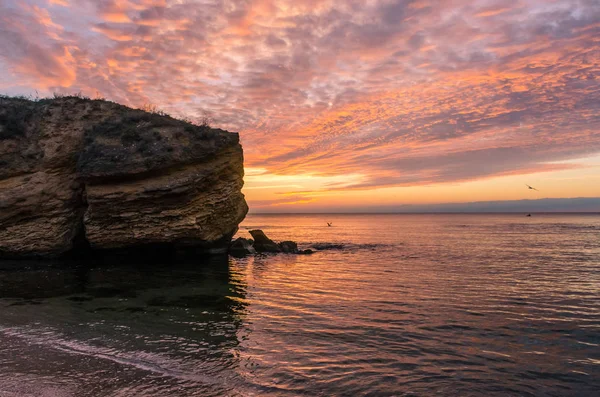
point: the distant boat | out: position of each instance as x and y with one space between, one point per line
528 214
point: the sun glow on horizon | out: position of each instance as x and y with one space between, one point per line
568 183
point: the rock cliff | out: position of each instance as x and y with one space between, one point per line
90 173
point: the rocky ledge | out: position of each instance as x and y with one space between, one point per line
94 175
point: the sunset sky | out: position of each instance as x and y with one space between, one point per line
343 105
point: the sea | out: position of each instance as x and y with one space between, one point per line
388 305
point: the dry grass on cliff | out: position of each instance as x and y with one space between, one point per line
17 111
14 118
202 121
131 129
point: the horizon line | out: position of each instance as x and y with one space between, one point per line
429 213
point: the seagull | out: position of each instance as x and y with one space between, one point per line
329 224
531 188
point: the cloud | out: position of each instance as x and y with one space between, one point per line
64 3
521 207
30 44
402 92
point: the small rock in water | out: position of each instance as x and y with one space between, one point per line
242 247
288 247
262 243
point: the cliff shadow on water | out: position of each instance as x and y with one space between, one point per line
186 283
67 295
112 326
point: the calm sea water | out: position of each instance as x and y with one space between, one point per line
411 305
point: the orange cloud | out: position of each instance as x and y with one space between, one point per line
64 3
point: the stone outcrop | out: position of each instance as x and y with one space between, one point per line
90 173
262 243
241 247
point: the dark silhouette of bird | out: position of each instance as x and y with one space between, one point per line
329 224
531 188
528 215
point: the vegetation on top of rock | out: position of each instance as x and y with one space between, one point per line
29 105
137 142
15 116
117 140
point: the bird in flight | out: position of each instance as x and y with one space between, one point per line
531 188
329 224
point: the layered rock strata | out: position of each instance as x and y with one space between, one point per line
89 173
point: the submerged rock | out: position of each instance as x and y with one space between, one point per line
288 247
262 243
242 247
327 246
91 173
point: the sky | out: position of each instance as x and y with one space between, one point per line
343 105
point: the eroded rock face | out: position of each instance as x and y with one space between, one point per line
76 171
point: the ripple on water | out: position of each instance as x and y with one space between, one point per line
406 305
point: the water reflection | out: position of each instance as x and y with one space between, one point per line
410 305
121 329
